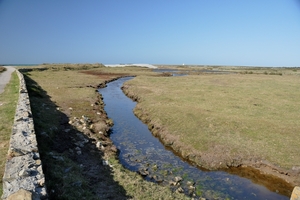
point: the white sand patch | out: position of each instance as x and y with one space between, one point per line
137 65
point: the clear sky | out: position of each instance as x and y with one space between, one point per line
210 32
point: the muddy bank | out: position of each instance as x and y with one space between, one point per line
218 157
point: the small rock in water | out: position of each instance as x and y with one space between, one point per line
143 171
155 167
190 183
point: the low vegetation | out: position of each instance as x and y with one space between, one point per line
8 103
75 165
215 120
223 120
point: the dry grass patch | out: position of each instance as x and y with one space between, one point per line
59 92
8 103
234 115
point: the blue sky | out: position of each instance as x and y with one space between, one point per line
209 32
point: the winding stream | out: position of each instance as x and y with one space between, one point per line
140 151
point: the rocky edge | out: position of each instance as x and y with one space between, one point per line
23 176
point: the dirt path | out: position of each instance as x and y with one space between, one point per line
5 77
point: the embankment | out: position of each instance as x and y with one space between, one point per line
23 176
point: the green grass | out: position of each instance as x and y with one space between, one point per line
8 103
234 115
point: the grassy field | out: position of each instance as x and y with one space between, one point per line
220 120
8 103
57 95
227 119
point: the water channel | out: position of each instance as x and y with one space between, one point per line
140 151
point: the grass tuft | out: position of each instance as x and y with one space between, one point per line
8 103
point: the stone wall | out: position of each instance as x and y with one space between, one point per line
23 176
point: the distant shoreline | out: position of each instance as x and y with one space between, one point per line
126 65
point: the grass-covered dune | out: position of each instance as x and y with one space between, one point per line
224 120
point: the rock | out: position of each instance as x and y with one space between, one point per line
41 182
180 190
77 149
40 169
155 167
67 130
172 183
143 171
192 188
24 173
190 183
38 162
295 194
105 162
60 158
79 144
177 179
68 169
98 144
114 148
20 195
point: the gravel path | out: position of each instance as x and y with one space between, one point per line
5 77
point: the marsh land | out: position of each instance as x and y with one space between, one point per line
240 118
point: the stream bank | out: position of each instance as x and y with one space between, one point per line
141 152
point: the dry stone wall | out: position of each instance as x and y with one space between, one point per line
23 176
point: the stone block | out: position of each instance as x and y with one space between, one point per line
21 195
296 194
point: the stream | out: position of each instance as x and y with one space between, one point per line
141 152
